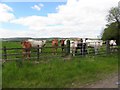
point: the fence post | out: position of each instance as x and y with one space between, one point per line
5 53
68 47
107 47
38 52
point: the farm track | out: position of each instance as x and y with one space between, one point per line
108 82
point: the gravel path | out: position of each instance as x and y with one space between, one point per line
109 82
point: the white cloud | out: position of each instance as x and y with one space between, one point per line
6 33
37 7
6 13
83 18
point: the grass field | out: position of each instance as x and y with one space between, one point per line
58 72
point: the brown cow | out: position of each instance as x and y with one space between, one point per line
26 49
55 45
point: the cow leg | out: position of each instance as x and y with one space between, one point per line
24 53
96 51
71 51
74 51
40 50
62 49
28 54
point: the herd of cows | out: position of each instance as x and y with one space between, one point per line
75 44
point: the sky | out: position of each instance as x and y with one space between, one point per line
54 18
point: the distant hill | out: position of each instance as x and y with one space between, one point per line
25 38
15 39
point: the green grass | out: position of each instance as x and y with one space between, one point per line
54 71
58 73
10 44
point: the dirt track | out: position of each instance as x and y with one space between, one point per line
109 82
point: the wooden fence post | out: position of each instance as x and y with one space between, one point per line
107 47
68 47
5 53
38 52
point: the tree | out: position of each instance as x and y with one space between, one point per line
113 28
110 32
114 15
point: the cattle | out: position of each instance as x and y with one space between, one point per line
26 49
36 43
73 47
76 44
83 45
113 45
62 42
96 44
54 45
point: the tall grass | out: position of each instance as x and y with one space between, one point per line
59 73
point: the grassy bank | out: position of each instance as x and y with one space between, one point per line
57 73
